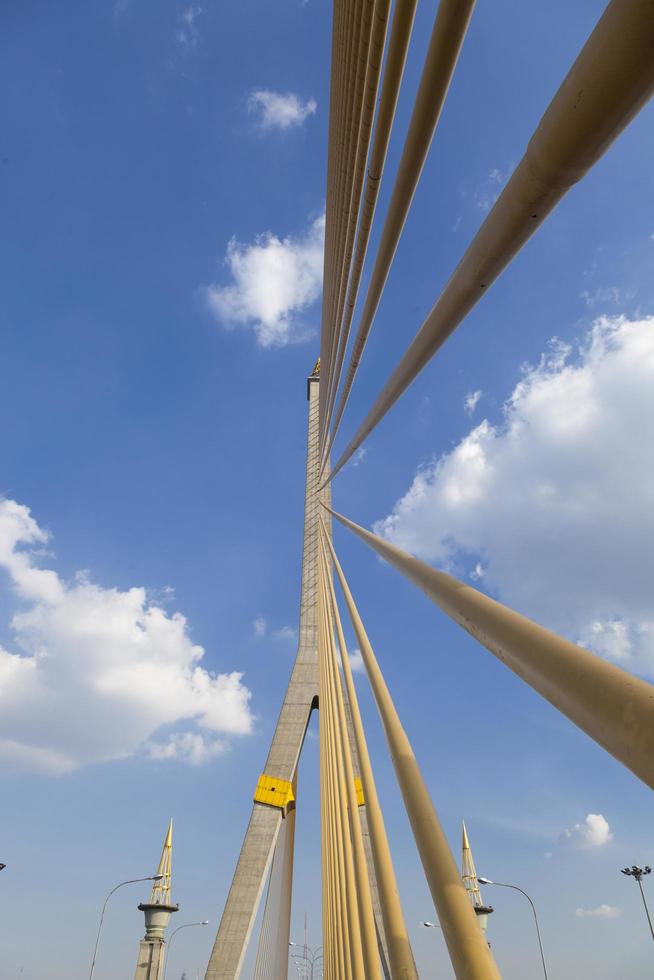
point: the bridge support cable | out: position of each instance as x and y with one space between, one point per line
349 95
346 913
448 35
371 47
398 44
339 959
342 21
363 933
369 944
611 80
470 955
612 706
399 948
368 98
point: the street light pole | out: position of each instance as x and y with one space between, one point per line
637 873
187 925
130 881
503 884
310 956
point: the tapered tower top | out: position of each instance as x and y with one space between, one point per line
160 894
469 875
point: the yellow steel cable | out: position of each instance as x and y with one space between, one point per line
611 80
341 29
340 906
339 146
353 101
344 847
327 852
470 955
366 920
349 882
612 706
344 202
447 38
399 947
369 81
398 44
448 34
336 947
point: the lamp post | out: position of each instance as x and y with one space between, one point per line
310 957
430 925
635 872
503 884
130 881
187 925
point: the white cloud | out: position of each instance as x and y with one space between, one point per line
555 504
188 747
188 35
472 400
356 662
601 912
359 456
277 111
101 674
274 280
489 191
286 633
260 626
593 832
603 296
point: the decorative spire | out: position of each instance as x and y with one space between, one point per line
469 872
469 875
160 894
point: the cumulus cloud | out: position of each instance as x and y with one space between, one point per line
188 35
274 280
99 674
601 912
275 110
553 507
356 662
471 401
260 626
286 633
359 456
593 832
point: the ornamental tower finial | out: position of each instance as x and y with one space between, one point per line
469 875
157 911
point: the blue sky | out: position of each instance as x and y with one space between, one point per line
161 200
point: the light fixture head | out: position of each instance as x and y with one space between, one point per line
484 881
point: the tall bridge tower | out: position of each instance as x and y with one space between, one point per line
615 72
274 796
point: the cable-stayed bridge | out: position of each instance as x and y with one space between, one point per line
364 931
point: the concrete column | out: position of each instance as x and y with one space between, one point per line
301 698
